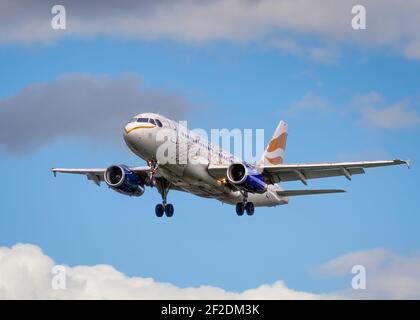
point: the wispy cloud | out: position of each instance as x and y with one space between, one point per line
79 105
309 102
395 116
377 113
325 54
412 50
204 21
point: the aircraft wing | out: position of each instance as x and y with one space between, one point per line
292 193
97 174
303 172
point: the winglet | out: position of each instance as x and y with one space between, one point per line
54 172
406 162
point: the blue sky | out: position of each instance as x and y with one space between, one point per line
227 84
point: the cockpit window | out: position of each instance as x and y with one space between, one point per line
148 120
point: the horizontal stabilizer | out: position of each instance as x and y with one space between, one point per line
291 193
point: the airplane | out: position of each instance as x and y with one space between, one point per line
218 174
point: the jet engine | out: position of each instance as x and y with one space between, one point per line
121 179
246 178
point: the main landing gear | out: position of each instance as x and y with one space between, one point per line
245 206
164 208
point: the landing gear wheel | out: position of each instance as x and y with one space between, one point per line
249 207
169 210
159 210
240 209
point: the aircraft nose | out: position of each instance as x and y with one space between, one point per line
126 132
128 135
128 128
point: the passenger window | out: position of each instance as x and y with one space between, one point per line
159 124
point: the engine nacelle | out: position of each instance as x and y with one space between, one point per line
123 180
246 178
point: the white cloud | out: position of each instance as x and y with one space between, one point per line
369 259
234 20
388 276
25 273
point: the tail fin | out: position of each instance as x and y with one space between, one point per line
274 153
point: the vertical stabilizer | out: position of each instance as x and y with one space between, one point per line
274 153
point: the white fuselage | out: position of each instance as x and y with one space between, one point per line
191 176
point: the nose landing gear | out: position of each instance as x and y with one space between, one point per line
150 180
